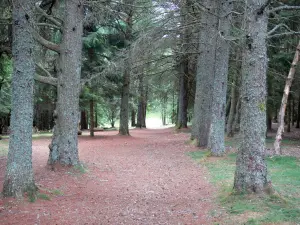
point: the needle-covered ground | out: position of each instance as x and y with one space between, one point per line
147 178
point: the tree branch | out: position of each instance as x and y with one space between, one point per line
48 25
42 69
47 44
284 34
46 80
277 27
285 7
49 17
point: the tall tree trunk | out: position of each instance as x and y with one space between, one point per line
141 107
251 169
293 112
288 119
124 110
269 121
83 120
230 130
92 118
183 94
96 115
64 146
183 65
217 129
19 174
133 114
298 113
210 101
205 73
288 84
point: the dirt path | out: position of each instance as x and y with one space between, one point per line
143 179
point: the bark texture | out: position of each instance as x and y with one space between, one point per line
141 115
251 169
284 100
218 112
19 174
64 146
232 113
92 118
124 110
205 73
183 67
212 70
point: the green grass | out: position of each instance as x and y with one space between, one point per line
285 143
284 206
3 147
81 168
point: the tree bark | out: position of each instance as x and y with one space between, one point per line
124 110
205 73
217 129
281 113
64 145
96 115
183 94
133 114
19 176
183 65
141 106
233 98
251 169
83 120
288 119
92 118
298 113
212 70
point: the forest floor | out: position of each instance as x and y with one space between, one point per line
147 178
155 176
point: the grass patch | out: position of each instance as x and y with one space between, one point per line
81 168
43 196
3 147
277 208
57 192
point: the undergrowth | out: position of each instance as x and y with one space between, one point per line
283 206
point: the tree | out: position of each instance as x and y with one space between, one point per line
124 110
64 145
210 100
284 101
251 169
19 176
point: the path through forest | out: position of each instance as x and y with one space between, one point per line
143 179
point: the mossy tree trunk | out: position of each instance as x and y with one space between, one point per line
19 176
251 169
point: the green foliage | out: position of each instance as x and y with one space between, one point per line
5 90
277 208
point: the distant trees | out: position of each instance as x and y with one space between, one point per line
19 173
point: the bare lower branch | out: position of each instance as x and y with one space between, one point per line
277 27
43 70
49 17
48 25
284 34
47 44
46 80
285 7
